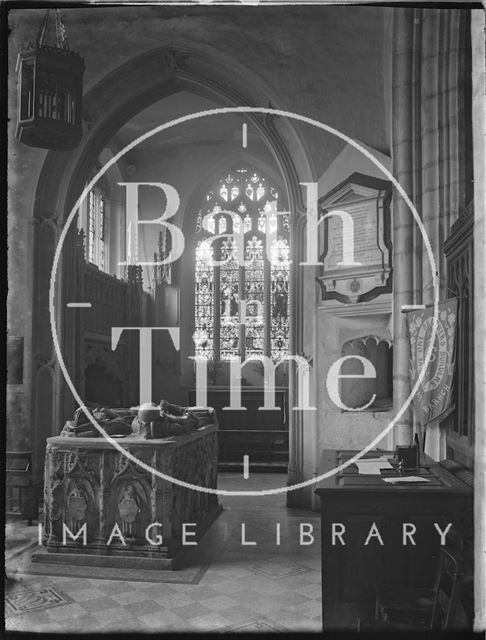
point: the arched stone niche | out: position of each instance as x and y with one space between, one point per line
358 392
353 329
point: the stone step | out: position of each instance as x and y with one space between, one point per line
89 559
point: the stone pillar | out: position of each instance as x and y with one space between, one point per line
478 25
441 130
434 180
428 161
403 222
46 376
69 324
295 498
118 233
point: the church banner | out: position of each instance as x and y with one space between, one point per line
433 397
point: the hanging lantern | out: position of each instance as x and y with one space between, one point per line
50 91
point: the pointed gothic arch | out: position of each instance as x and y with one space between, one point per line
107 106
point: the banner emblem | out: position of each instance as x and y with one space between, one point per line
434 396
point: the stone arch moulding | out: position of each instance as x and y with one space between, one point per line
108 105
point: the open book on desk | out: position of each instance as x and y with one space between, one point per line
396 479
372 466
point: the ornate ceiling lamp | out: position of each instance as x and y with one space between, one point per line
50 91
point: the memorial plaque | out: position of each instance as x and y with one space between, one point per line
367 201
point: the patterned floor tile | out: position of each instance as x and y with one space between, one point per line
206 593
114 587
29 600
160 620
73 585
173 600
292 616
290 599
218 603
33 618
143 607
279 569
192 610
99 604
239 614
112 615
83 595
266 588
222 586
19 624
265 606
128 597
68 611
130 625
255 626
311 591
210 622
261 584
85 623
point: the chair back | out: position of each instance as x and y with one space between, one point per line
446 591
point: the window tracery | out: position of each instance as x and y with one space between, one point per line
242 310
93 220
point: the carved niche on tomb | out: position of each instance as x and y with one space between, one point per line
356 238
71 494
77 506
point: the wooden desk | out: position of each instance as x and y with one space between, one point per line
351 573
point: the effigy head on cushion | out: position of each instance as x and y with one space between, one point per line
148 412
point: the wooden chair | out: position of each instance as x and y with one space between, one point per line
417 608
21 493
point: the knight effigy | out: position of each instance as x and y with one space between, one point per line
150 421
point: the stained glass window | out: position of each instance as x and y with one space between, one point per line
91 225
93 219
228 303
279 324
101 229
204 326
255 297
259 289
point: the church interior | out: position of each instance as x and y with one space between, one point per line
180 179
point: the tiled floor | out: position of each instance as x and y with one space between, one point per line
259 588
